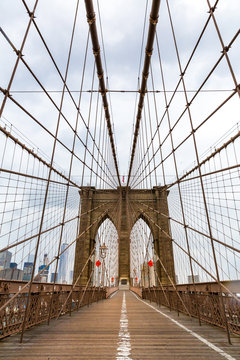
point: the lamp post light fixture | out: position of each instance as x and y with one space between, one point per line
134 276
103 251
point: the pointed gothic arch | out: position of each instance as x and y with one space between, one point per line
124 206
107 273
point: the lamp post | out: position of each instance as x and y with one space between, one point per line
134 277
103 253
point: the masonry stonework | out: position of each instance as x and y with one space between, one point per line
124 206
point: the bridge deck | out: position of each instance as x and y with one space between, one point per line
111 330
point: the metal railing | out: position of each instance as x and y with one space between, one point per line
204 303
42 294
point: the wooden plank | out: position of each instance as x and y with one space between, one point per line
93 333
155 337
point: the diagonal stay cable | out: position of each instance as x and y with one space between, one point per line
184 71
51 134
96 51
77 106
54 103
149 48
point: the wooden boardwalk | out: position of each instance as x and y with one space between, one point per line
122 328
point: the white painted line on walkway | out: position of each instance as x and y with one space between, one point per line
206 342
112 295
124 344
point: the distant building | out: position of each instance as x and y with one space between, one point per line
71 276
37 278
62 271
13 265
30 258
52 277
44 269
195 277
11 274
27 271
44 274
5 259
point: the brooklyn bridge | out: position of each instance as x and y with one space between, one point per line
119 179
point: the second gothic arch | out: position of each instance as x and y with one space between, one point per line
124 206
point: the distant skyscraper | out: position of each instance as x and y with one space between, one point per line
13 265
52 277
11 274
44 273
5 259
62 273
194 277
30 258
45 259
27 271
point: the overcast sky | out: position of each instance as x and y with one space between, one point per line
122 28
122 25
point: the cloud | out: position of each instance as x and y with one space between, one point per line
122 26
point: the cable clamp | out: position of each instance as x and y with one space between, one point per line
153 21
212 9
149 52
100 76
96 52
91 19
31 14
145 76
4 91
18 52
225 49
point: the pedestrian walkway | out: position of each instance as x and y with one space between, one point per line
123 327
